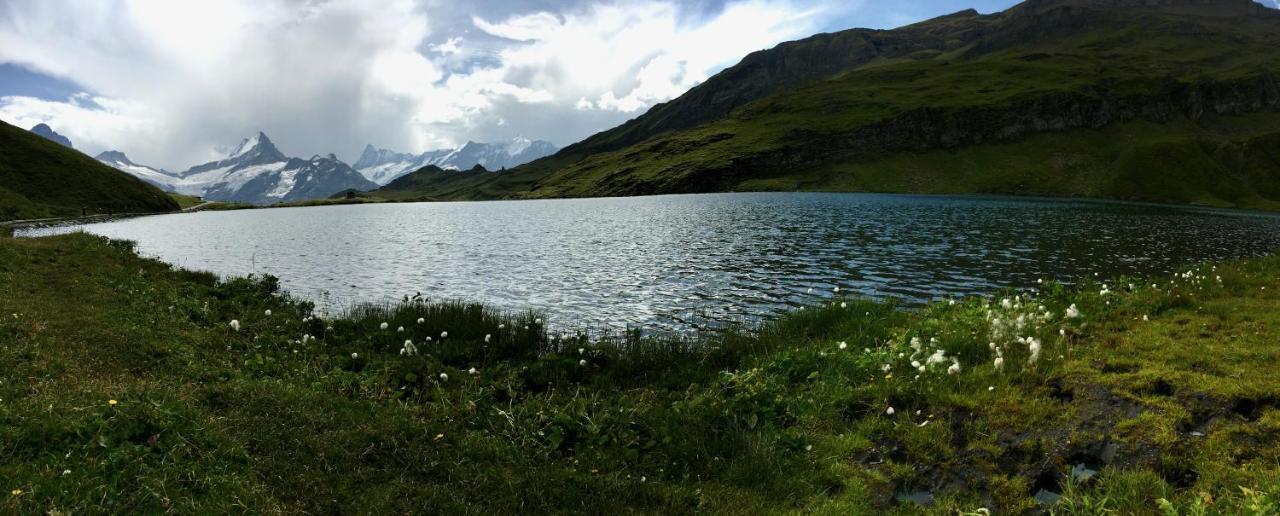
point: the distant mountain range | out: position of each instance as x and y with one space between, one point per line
383 166
257 172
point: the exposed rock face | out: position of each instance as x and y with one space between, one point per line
928 129
383 166
49 134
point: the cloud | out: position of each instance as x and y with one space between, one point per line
171 82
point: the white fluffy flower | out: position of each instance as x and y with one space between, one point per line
955 366
355 356
267 313
844 345
889 411
444 377
473 371
383 326
444 334
1072 312
235 324
998 363
421 320
487 337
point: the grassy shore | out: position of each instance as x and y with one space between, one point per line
130 386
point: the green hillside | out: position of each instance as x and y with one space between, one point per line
41 179
1100 98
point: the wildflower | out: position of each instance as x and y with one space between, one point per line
991 388
444 377
1145 318
1006 304
383 326
1033 346
886 368
844 305
889 412
235 325
844 345
1072 312
112 402
836 290
991 346
355 356
808 447
582 350
421 320
1062 332
582 362
502 326
444 334
955 366
267 313
537 321
937 357
487 337
998 363
915 363
473 371
16 492
409 349
400 329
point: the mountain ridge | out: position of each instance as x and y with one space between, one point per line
960 82
383 166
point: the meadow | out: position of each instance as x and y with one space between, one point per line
127 385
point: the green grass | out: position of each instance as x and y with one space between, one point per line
1098 104
1169 392
41 179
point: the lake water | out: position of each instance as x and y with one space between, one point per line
684 261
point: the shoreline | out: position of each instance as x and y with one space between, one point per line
1125 399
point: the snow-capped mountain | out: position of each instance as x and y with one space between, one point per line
162 179
383 166
257 172
49 134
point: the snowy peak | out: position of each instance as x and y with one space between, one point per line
257 147
383 166
48 133
158 177
113 156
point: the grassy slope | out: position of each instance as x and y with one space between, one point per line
797 139
1182 407
41 179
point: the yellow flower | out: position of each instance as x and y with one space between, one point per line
112 402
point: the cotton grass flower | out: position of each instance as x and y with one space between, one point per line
235 324
487 337
844 345
355 356
1033 346
383 326
421 320
444 334
1073 312
582 362
267 313
409 349
400 329
998 363
844 304
473 371
444 377
889 411
955 367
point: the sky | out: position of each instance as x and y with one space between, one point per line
177 83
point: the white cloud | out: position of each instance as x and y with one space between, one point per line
173 81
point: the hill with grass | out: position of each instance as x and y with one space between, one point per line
1172 100
41 179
